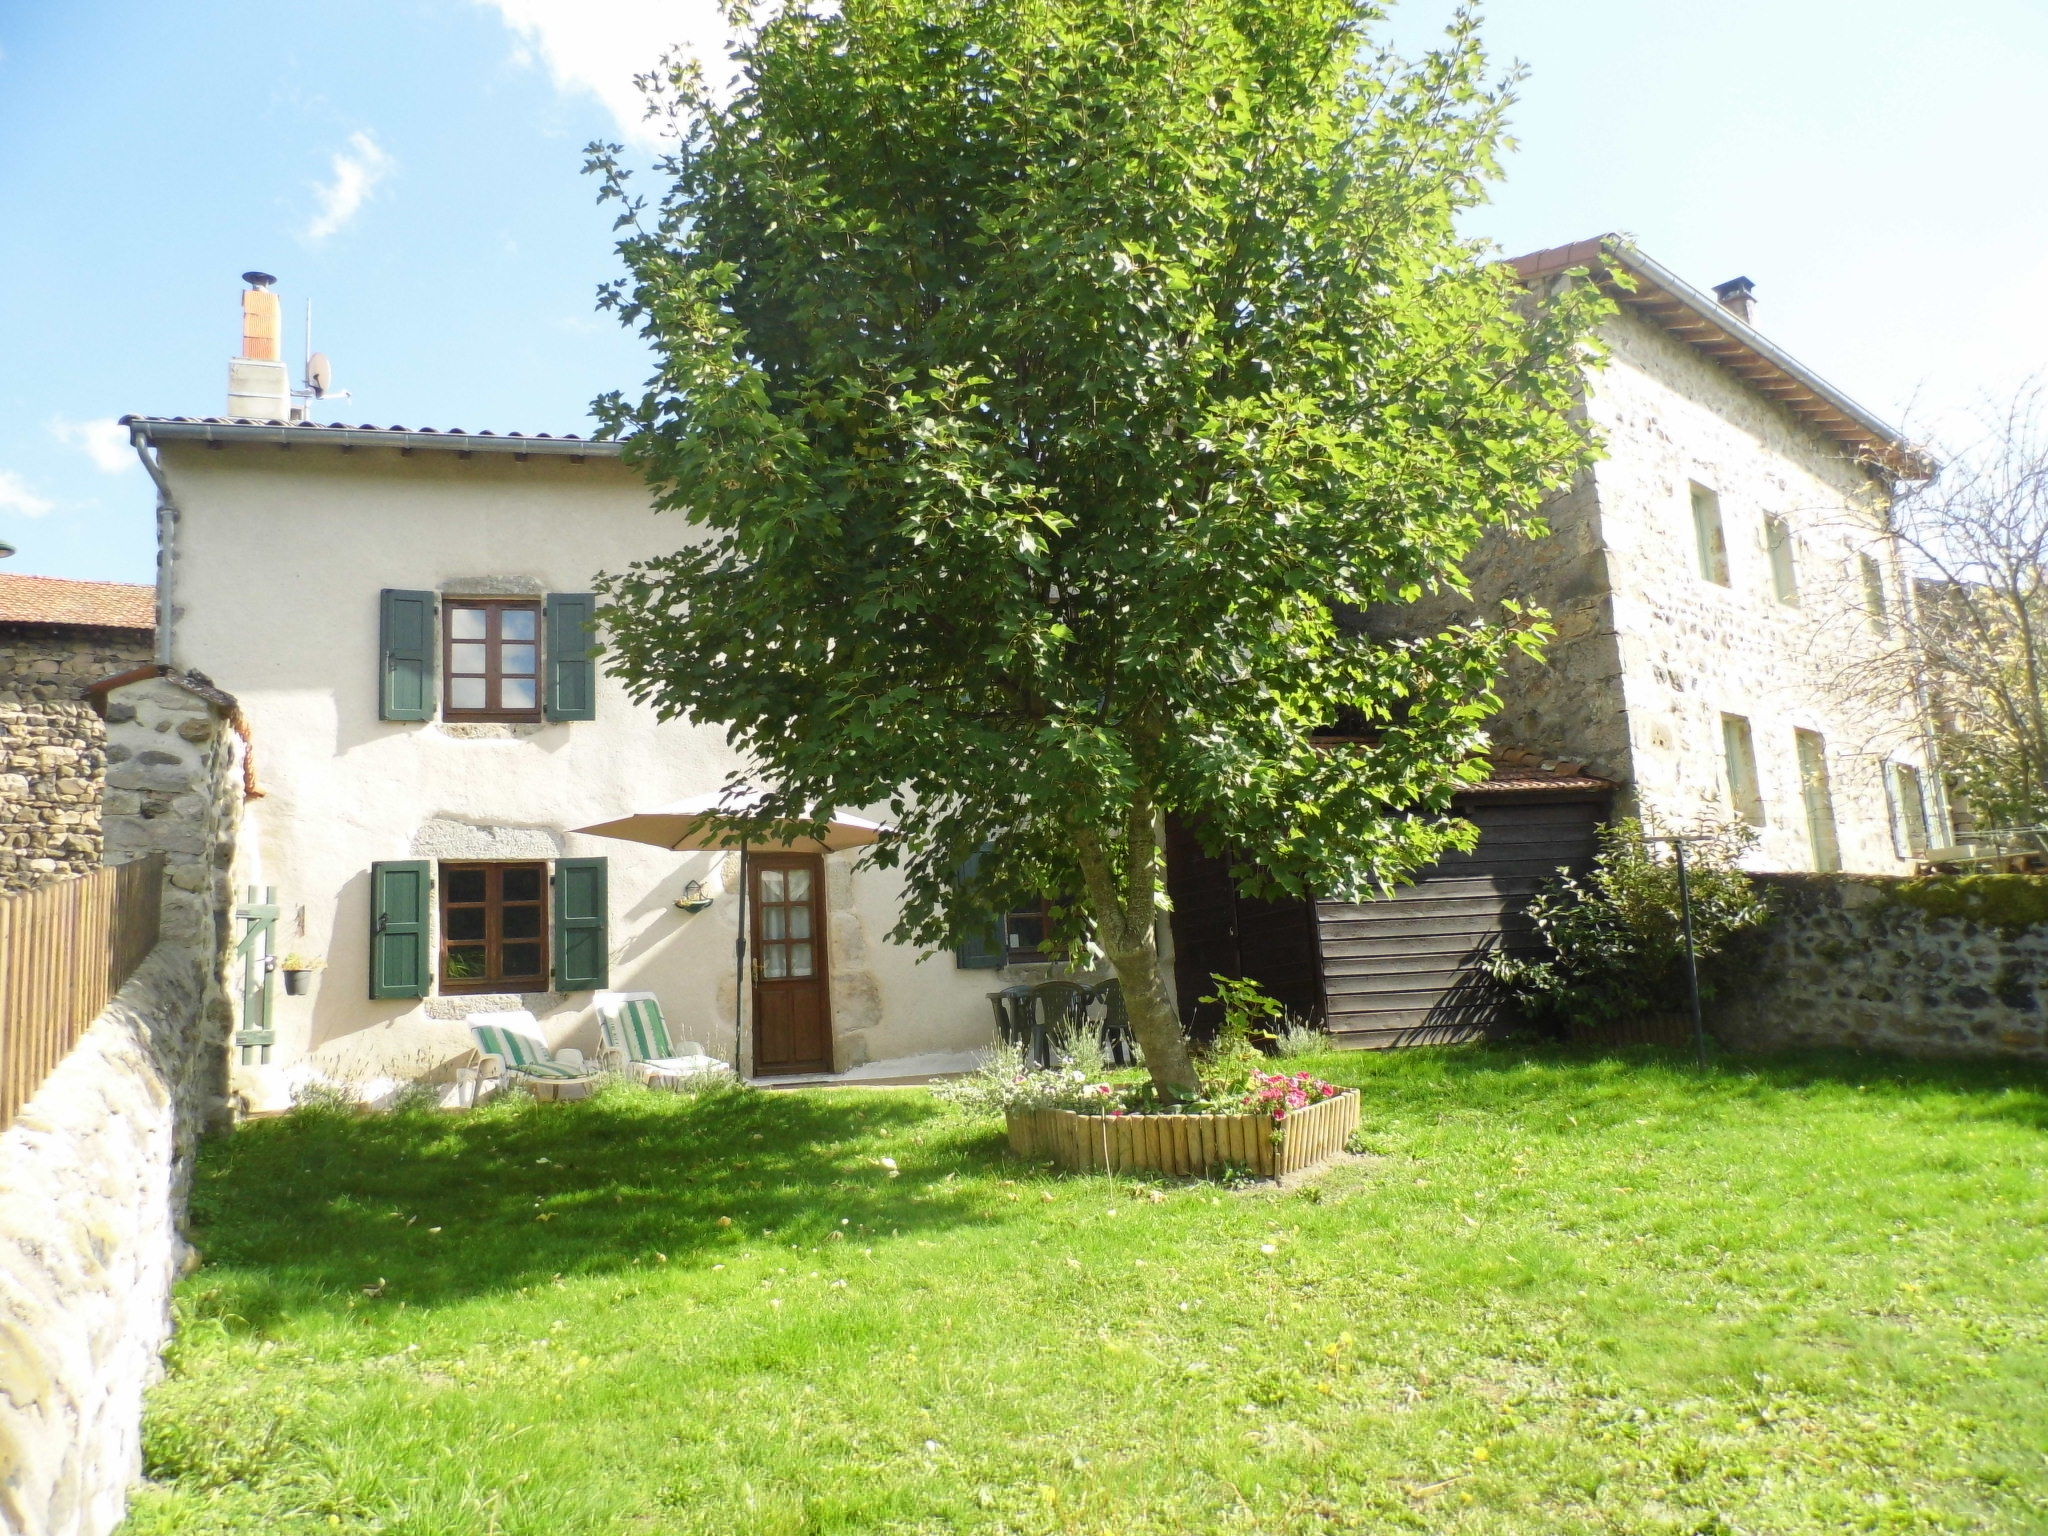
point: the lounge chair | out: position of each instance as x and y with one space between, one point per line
636 1042
509 1048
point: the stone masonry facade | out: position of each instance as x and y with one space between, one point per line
1922 967
52 746
96 1169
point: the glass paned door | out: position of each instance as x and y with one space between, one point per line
792 1015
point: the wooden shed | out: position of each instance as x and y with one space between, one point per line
1409 969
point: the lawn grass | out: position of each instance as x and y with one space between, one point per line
1566 1294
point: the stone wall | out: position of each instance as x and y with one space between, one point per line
93 1181
1948 967
94 1171
52 761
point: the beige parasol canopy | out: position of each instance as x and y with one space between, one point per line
692 825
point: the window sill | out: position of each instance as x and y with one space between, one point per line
514 984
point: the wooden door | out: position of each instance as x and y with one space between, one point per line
792 1008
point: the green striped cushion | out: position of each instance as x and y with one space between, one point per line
646 1036
543 1069
520 1053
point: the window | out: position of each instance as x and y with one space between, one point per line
1784 573
1025 935
1820 800
494 927
1875 602
493 660
1909 810
479 658
1706 528
1738 754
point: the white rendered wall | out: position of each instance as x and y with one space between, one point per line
278 560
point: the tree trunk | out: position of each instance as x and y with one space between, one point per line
1123 891
1153 1019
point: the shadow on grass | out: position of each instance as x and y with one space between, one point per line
306 1211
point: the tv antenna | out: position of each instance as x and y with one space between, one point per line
319 378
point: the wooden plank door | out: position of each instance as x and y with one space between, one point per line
792 1006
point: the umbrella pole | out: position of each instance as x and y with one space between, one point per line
739 954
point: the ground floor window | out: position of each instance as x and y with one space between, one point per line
494 927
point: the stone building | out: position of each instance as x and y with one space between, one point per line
56 638
1721 583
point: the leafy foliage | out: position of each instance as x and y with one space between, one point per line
1048 382
1617 941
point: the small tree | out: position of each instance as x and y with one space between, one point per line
1978 533
1616 937
1049 378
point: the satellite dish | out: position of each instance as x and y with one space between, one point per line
319 375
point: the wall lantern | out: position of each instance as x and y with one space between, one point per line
693 898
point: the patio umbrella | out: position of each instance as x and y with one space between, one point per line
692 825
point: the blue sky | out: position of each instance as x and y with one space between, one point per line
411 167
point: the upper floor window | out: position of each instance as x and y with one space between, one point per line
1875 601
1784 569
487 658
1712 542
493 660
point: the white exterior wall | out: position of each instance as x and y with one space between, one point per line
1692 651
278 560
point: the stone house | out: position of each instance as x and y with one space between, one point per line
399 621
1722 585
56 638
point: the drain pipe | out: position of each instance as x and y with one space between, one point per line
166 527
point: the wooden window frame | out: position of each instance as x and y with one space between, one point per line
1042 955
1710 535
494 940
495 643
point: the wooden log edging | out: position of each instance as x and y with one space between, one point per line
1186 1146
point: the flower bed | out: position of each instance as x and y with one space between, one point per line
1266 1142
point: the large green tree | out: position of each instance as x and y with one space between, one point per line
1052 382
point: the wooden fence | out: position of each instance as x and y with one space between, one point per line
65 950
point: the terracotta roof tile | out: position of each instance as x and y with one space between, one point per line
54 600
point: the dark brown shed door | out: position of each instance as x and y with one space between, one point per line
1409 970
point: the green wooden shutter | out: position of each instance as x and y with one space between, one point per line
400 892
581 938
572 666
981 949
405 679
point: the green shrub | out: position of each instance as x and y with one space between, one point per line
1615 936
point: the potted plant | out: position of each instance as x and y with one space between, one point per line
298 972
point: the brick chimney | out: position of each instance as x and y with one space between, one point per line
1738 296
258 385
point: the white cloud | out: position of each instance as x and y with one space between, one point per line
598 46
104 441
358 167
16 497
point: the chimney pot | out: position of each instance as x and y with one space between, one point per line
1738 296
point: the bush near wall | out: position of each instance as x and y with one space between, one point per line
1946 965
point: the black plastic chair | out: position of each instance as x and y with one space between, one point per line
1117 1038
1013 1015
1055 1006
